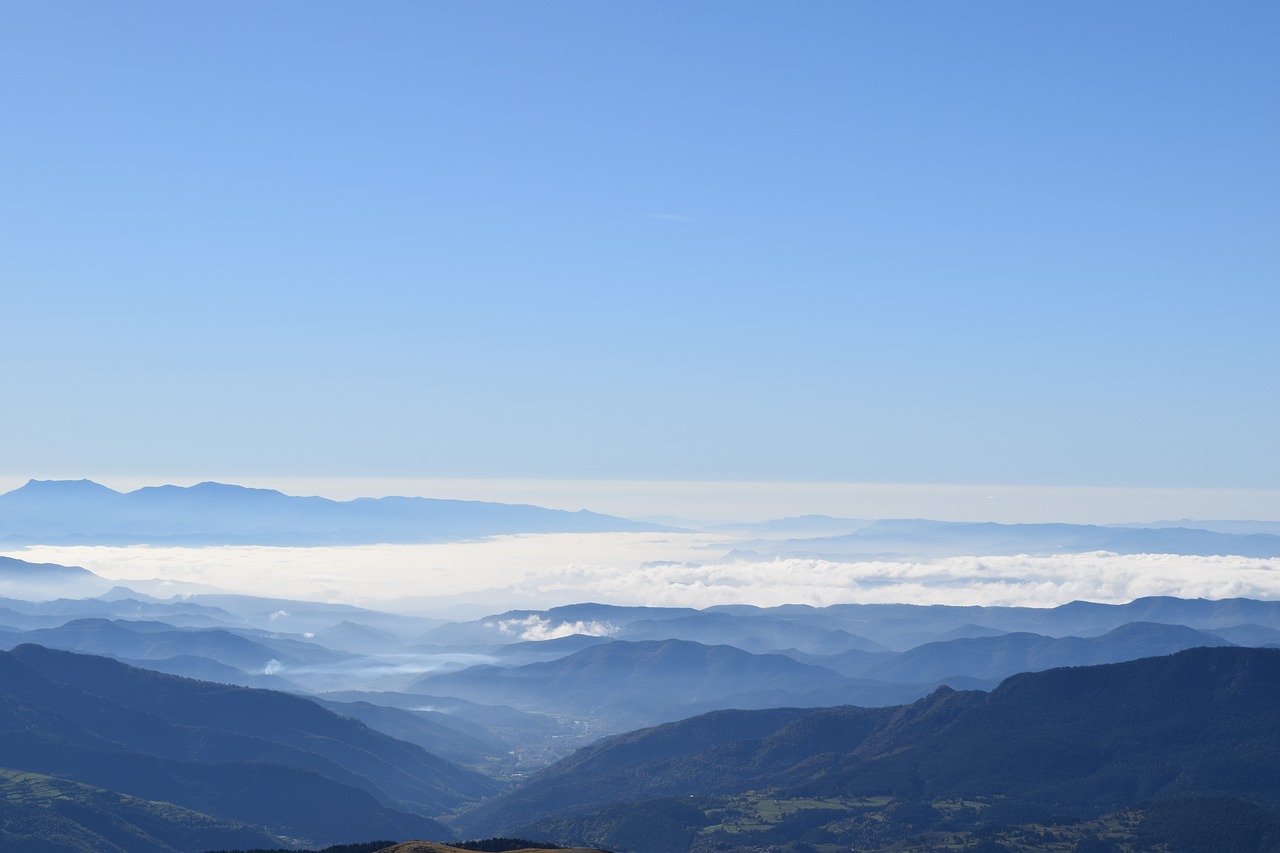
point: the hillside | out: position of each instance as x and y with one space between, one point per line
1083 740
251 756
40 813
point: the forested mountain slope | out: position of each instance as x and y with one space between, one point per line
1087 739
254 757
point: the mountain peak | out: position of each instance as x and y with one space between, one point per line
229 488
62 490
81 485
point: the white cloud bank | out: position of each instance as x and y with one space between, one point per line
466 580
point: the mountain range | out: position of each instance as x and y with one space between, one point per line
625 684
637 665
85 512
209 513
924 538
1156 751
793 724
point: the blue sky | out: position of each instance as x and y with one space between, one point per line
893 242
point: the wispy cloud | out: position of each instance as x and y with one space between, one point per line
535 627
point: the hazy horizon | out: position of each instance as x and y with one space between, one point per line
755 501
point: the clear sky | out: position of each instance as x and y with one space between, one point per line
893 242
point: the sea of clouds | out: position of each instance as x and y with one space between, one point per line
471 579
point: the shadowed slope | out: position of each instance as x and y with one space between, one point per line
253 756
1088 738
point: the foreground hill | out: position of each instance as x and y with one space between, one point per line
82 512
256 757
40 813
1084 740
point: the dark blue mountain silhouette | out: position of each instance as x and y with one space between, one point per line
1080 740
255 757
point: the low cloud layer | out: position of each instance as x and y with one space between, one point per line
464 580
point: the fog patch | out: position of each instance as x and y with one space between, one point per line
381 672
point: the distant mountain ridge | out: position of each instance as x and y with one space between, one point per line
867 627
639 683
21 579
1008 654
918 537
85 512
